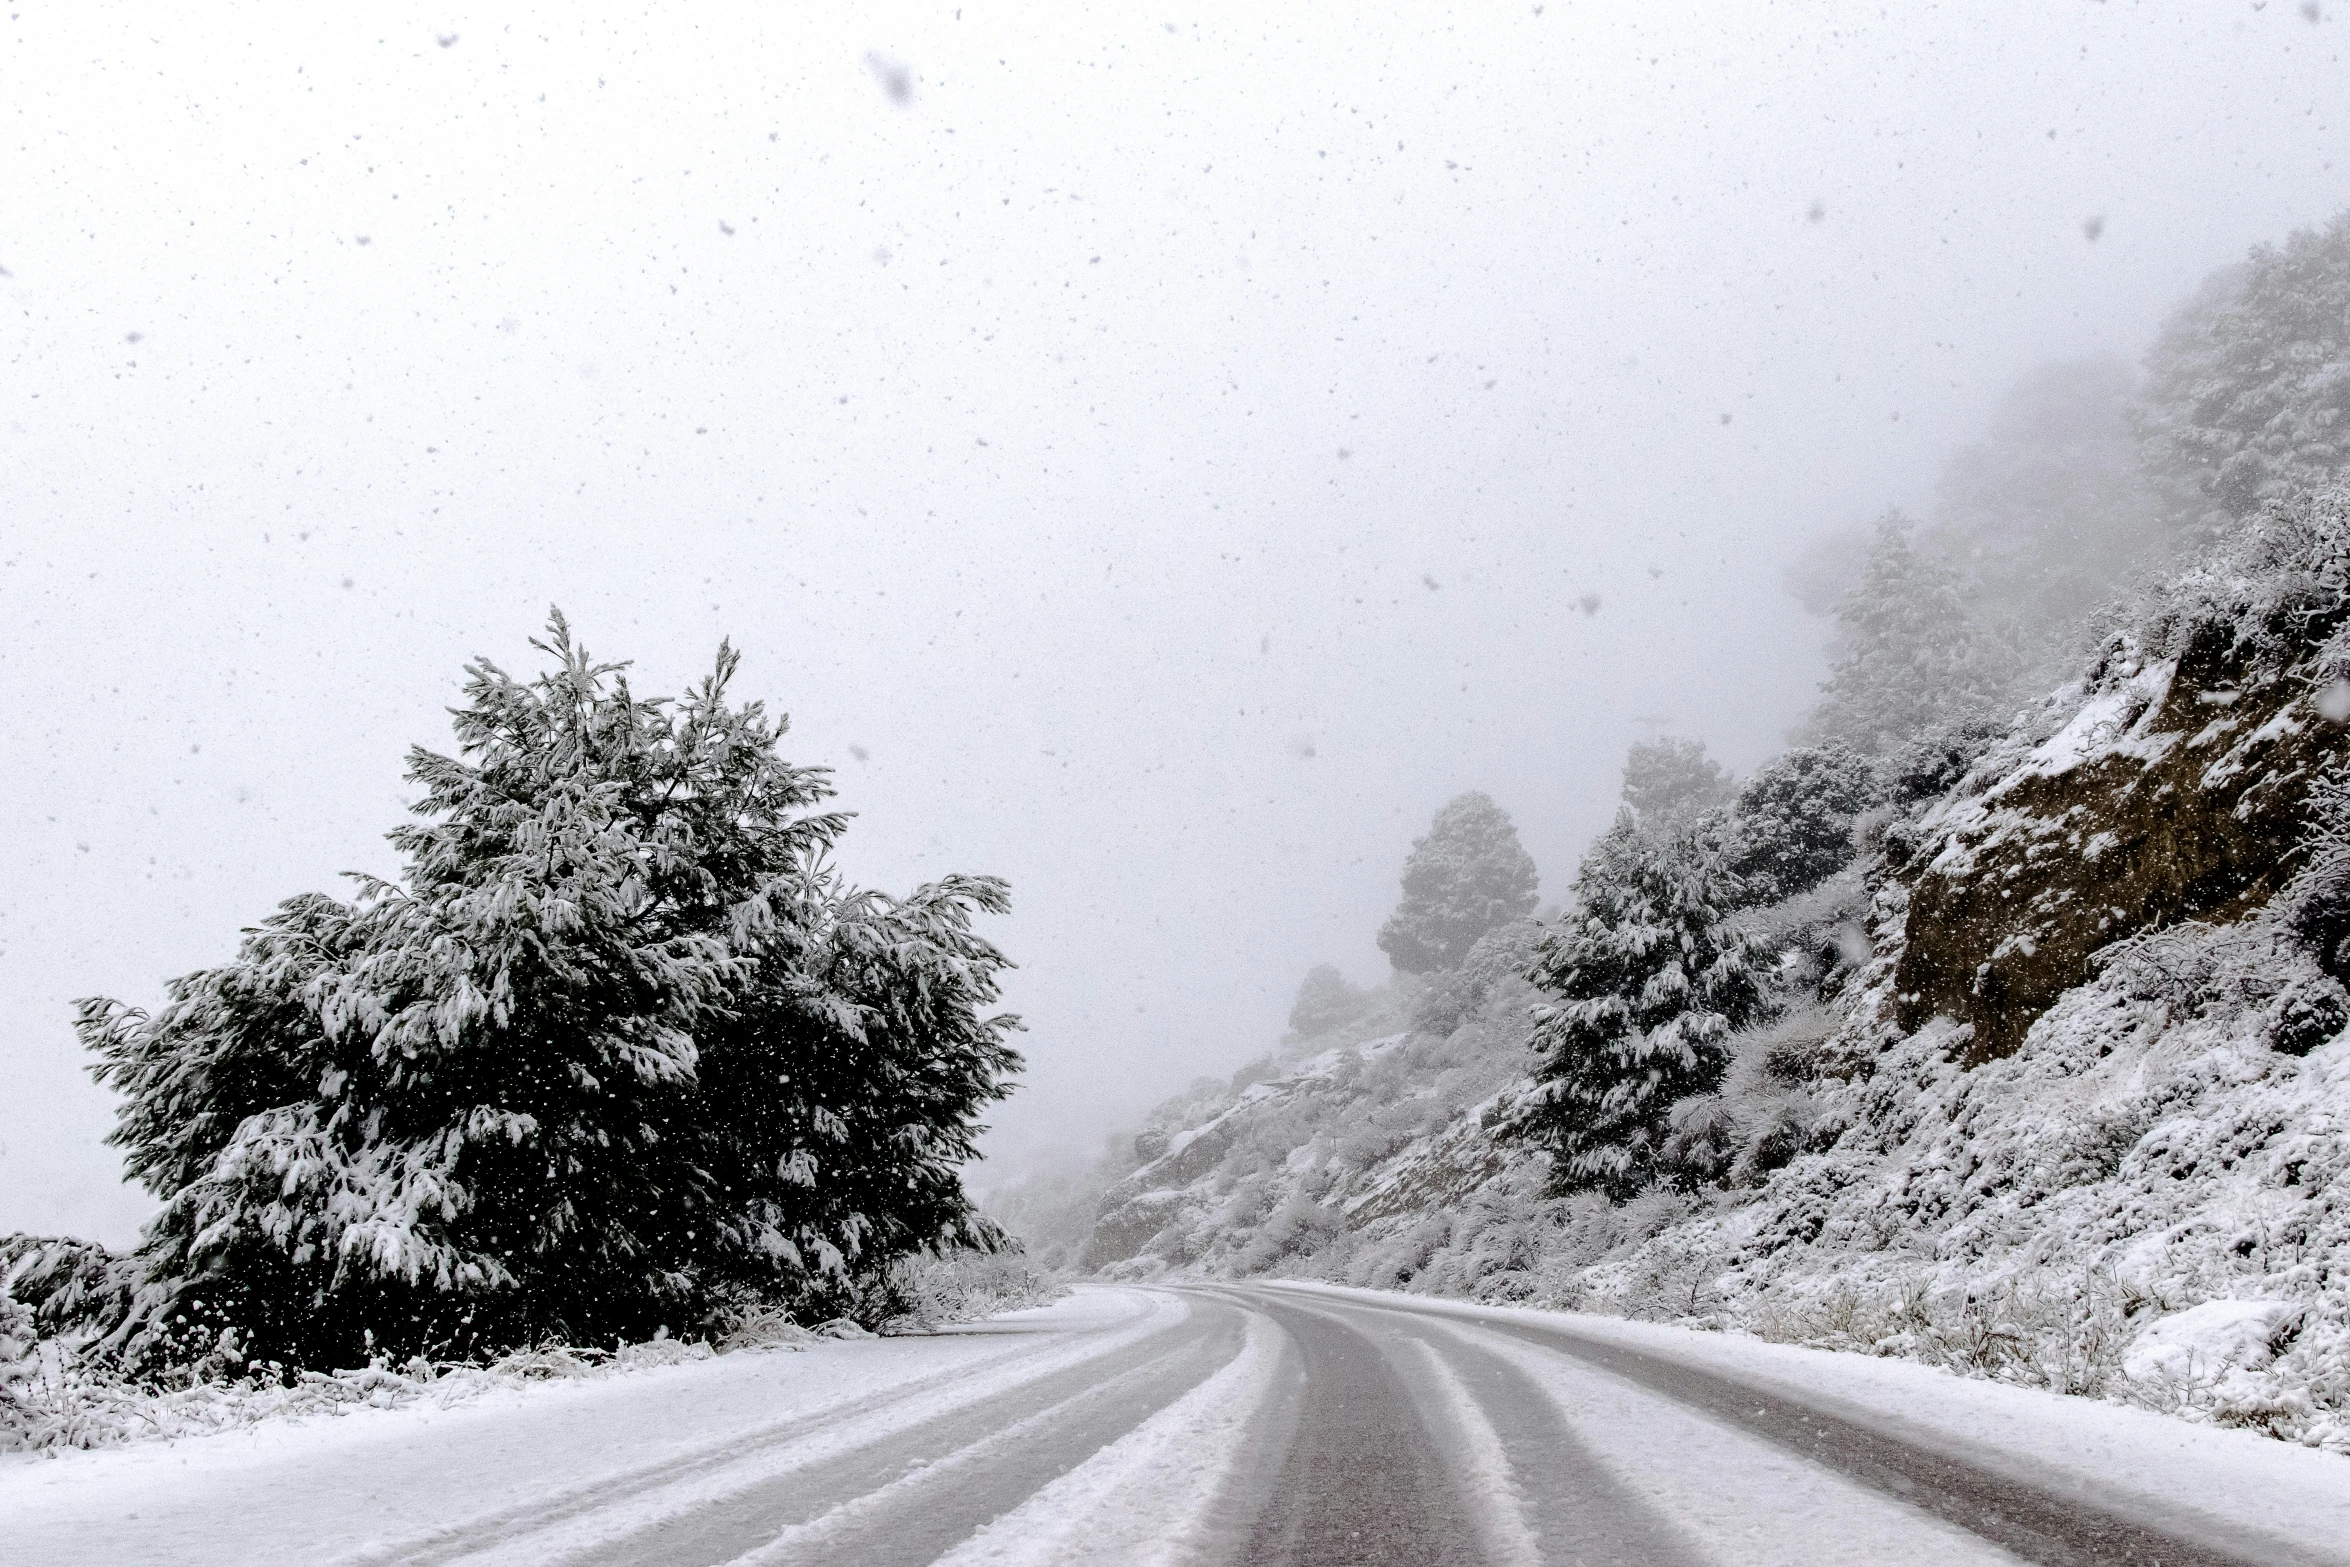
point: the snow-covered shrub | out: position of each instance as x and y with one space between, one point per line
1325 1001
1763 1113
78 1401
963 1286
2272 592
1932 762
1299 1226
619 1055
2317 905
2067 1339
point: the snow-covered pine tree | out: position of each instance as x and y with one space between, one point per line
1648 982
2248 388
619 1053
1468 875
19 1367
1792 826
1910 658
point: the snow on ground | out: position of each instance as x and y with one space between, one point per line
1154 1497
324 1488
2219 1335
2235 1477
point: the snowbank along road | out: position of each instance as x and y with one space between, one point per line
1276 1424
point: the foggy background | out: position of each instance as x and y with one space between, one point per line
1156 456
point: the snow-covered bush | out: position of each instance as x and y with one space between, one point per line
2274 590
1763 1114
620 1054
963 1286
74 1400
1325 1001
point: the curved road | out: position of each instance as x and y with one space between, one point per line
1248 1424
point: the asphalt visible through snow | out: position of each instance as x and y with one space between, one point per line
1364 1483
1254 1425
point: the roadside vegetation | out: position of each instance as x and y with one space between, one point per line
621 1062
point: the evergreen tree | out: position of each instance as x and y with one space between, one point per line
1463 879
18 1365
2049 514
1647 981
1792 827
2248 388
1496 962
1670 782
620 1052
1911 659
1324 1001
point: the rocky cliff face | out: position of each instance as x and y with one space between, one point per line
2175 791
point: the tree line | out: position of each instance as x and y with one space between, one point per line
2089 481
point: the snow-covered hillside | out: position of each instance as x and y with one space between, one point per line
2059 1091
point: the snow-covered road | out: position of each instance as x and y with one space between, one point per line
1257 1424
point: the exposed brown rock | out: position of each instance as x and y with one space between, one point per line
2176 793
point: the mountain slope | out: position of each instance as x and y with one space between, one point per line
2059 1091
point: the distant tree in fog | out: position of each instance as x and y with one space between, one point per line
1670 781
1495 966
2248 387
1325 1001
2049 514
2044 521
1644 983
1468 875
620 1052
1911 658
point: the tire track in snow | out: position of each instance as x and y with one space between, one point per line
905 1503
1364 1483
1975 1493
583 1515
1172 1491
1480 1464
1718 1494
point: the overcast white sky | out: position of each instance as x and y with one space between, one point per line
1170 445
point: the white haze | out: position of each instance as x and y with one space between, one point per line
1157 456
